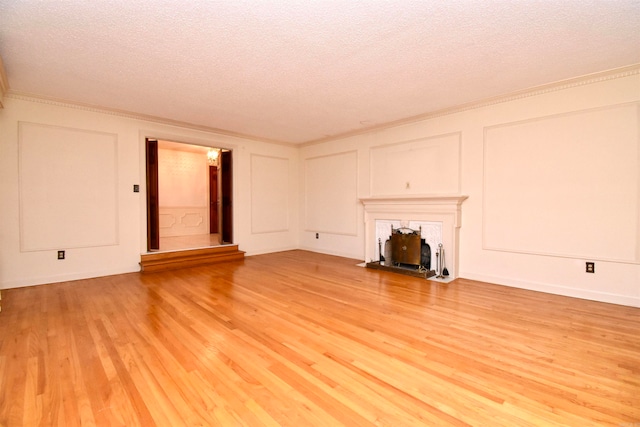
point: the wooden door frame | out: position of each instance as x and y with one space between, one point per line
226 196
152 205
214 219
153 202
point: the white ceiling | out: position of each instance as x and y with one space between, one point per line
297 71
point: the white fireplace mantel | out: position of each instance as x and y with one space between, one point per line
446 209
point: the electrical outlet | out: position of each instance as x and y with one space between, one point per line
317 235
591 267
136 188
60 254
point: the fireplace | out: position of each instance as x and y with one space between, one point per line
403 251
437 218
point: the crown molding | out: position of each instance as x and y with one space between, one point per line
4 83
588 79
136 116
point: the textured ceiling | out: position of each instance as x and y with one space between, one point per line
297 71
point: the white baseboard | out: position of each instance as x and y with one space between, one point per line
34 281
556 289
330 252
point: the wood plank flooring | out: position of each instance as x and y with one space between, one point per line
303 339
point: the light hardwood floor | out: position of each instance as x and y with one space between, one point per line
303 339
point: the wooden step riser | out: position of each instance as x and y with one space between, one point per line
173 260
190 252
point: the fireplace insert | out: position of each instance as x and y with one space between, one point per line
406 252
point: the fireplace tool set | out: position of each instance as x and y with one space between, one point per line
440 263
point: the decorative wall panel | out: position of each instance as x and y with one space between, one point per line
424 166
183 221
543 191
331 202
166 220
68 180
269 194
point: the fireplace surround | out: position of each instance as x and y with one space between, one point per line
445 211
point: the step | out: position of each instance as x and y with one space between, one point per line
161 261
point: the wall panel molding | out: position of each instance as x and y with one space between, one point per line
331 193
565 185
183 220
68 186
428 165
269 208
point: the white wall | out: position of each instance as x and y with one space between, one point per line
553 179
183 189
283 195
75 195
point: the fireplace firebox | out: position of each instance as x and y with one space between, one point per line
405 252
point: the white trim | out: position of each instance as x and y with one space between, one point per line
556 289
616 73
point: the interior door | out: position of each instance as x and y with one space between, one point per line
227 196
153 204
213 200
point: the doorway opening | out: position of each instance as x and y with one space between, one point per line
189 196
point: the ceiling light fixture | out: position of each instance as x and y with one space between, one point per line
212 156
